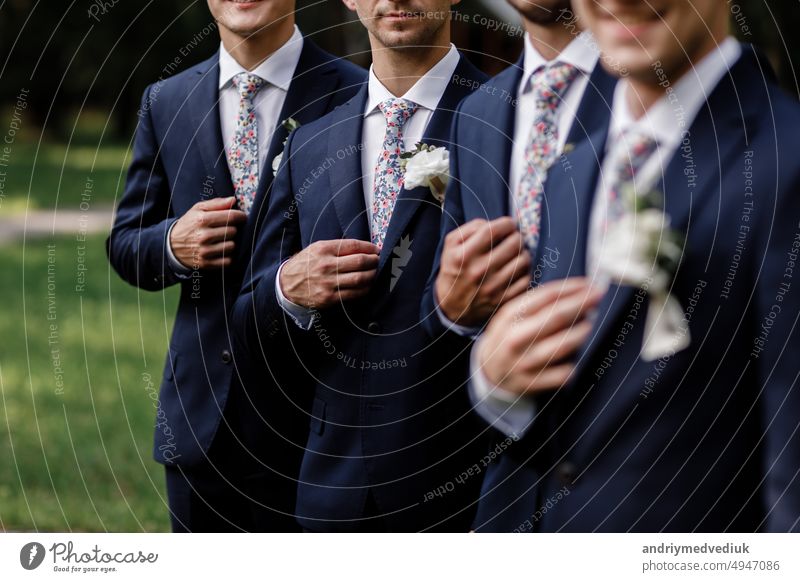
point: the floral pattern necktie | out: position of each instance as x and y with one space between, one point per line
631 152
243 152
388 171
549 84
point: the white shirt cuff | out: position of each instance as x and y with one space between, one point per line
302 316
462 330
510 414
179 269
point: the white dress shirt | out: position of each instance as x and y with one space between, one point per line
426 93
278 71
667 121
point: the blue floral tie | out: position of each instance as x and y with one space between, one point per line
388 171
243 152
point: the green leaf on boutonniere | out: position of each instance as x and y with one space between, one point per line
290 124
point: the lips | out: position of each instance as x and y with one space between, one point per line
631 24
401 15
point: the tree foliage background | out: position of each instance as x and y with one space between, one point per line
101 54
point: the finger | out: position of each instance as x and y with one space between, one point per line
355 263
489 235
539 297
215 235
346 247
559 346
462 233
215 218
551 378
555 317
216 204
358 280
505 252
217 250
517 288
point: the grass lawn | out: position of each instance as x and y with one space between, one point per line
55 176
76 414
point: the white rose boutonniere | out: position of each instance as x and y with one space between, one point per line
290 124
642 250
427 166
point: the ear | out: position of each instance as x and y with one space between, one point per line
351 5
454 2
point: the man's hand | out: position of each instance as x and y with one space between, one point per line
329 272
484 265
528 344
203 237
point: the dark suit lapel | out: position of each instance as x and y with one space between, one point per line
203 105
717 134
594 109
568 200
315 79
346 180
436 134
498 127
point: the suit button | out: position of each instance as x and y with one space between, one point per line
566 474
226 357
374 327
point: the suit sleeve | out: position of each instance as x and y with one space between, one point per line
452 218
778 311
257 315
137 245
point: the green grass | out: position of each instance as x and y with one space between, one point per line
55 176
78 457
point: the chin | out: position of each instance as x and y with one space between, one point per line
403 38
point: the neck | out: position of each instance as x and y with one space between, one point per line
399 69
252 50
644 91
549 39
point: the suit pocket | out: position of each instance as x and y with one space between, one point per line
318 411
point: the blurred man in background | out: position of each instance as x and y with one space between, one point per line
680 411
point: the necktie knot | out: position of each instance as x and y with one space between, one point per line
397 111
550 83
248 85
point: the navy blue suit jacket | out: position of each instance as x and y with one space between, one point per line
178 160
390 414
483 137
708 439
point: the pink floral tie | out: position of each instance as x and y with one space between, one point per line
549 85
243 152
388 171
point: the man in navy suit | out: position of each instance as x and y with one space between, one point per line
200 177
679 413
506 138
343 260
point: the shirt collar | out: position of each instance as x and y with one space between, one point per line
581 53
427 92
669 118
277 69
